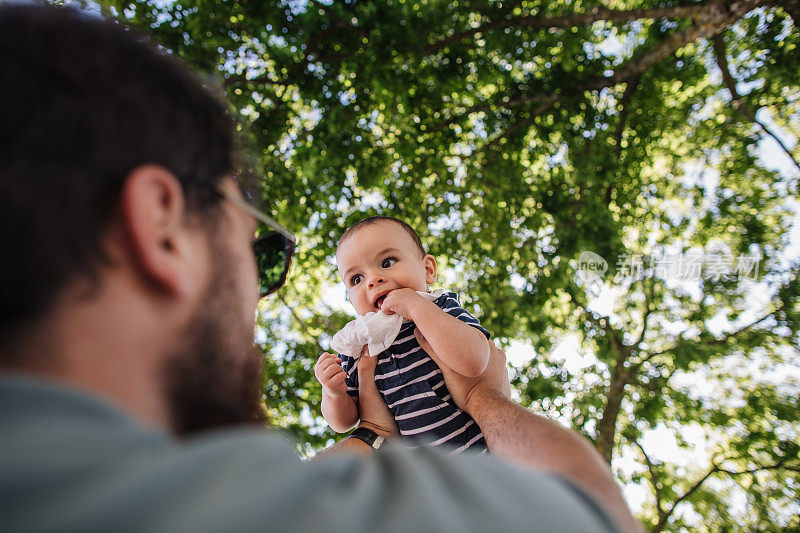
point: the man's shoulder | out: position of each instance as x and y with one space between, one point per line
465 492
55 430
57 443
122 477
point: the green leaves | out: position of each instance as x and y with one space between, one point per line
513 137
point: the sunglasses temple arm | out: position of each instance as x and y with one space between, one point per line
258 215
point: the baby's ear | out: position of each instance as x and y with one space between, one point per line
430 268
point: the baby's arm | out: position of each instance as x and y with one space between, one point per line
463 348
338 408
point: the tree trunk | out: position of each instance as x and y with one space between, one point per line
607 427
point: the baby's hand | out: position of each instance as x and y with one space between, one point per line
402 302
331 375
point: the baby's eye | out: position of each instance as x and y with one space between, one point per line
389 261
355 280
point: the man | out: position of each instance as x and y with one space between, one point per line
127 312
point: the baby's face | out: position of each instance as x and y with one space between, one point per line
378 259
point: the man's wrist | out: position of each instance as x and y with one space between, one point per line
368 436
481 396
380 431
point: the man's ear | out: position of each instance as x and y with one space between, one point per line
153 216
430 268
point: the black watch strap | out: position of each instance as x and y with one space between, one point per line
367 435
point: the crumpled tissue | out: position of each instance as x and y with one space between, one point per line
376 330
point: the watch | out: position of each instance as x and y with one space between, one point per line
367 435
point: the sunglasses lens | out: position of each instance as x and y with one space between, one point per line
273 255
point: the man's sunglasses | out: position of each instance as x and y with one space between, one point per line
273 246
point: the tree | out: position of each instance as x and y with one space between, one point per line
515 136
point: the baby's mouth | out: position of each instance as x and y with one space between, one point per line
379 301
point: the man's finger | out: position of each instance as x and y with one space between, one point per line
496 372
366 372
366 367
372 407
425 345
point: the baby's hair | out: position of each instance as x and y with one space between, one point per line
379 218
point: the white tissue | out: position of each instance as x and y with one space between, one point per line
377 331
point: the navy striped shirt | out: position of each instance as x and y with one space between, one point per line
415 392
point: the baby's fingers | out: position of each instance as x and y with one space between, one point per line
330 372
326 359
324 362
337 381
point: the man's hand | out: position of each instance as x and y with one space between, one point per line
494 379
372 408
517 435
402 302
330 374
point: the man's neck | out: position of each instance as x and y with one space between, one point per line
105 346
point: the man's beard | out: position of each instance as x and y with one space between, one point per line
215 378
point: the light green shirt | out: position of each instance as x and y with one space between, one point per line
71 462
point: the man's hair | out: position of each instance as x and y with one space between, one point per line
375 220
84 102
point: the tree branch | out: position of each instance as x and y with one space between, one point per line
300 322
716 341
603 325
715 16
725 338
663 519
652 385
547 103
624 102
781 465
337 22
709 21
736 99
777 466
568 21
340 21
241 79
793 8
487 106
620 377
653 480
648 311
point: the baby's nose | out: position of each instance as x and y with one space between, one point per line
371 283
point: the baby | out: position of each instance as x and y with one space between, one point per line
383 265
